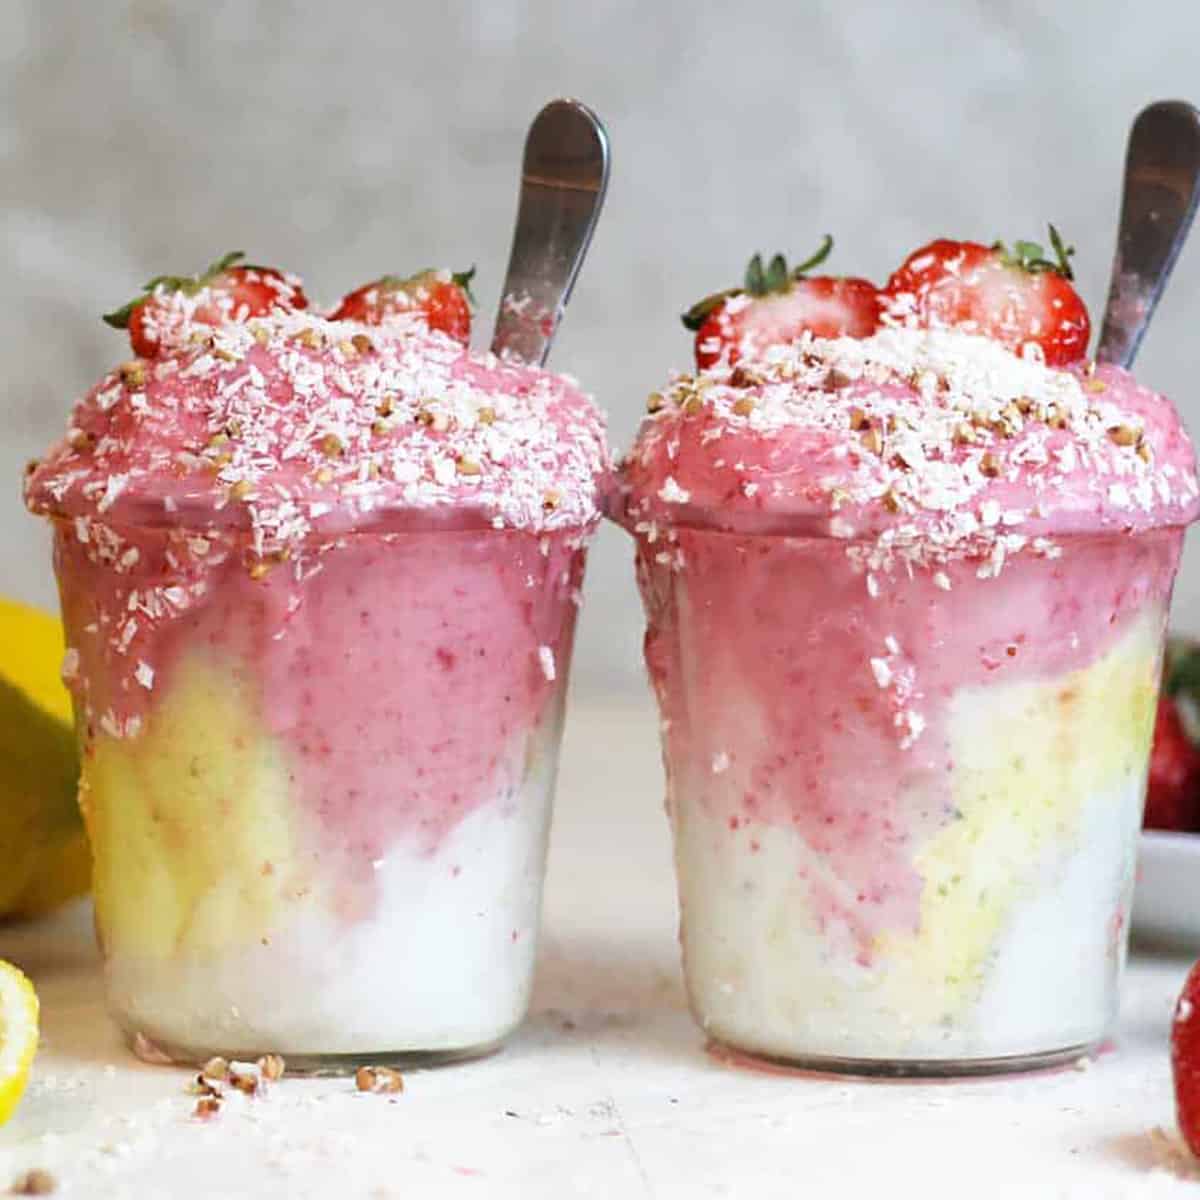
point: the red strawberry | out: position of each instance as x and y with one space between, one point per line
1016 298
776 306
1173 791
444 299
228 290
1185 1059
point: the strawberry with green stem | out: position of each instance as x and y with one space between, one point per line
1018 297
442 298
227 290
775 305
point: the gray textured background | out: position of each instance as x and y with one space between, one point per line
342 140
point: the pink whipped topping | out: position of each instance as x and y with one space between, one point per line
923 445
292 424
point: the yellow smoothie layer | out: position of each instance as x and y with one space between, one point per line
1028 759
192 823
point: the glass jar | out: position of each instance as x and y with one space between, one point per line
318 789
905 797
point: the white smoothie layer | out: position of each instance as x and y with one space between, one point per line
761 976
1021 930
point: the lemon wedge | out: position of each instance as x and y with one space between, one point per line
18 1036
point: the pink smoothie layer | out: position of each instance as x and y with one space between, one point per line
403 669
377 533
792 697
837 541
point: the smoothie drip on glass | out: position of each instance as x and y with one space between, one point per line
319 577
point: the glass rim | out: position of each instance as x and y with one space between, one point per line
815 528
205 519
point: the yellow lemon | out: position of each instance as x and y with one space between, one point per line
44 859
31 651
18 1036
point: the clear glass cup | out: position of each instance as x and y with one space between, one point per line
318 791
905 802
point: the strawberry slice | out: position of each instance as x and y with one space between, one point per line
227 291
1018 298
1185 1059
442 298
776 305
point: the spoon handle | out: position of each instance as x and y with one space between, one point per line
564 176
1162 186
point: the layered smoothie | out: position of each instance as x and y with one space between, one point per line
319 579
905 598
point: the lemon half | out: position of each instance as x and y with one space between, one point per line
18 1036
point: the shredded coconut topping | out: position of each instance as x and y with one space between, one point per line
913 446
291 424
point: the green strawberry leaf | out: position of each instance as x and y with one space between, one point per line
759 280
815 259
463 279
777 277
756 278
1181 683
1031 256
188 284
1062 253
225 262
695 316
402 283
119 317
1182 670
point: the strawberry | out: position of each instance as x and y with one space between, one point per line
442 298
1017 297
776 305
1173 791
229 290
1185 1059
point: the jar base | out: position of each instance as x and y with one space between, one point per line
914 1068
153 1050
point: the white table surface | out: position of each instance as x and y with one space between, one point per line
608 1090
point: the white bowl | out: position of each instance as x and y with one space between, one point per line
1166 900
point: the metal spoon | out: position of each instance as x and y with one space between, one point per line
564 176
1162 187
